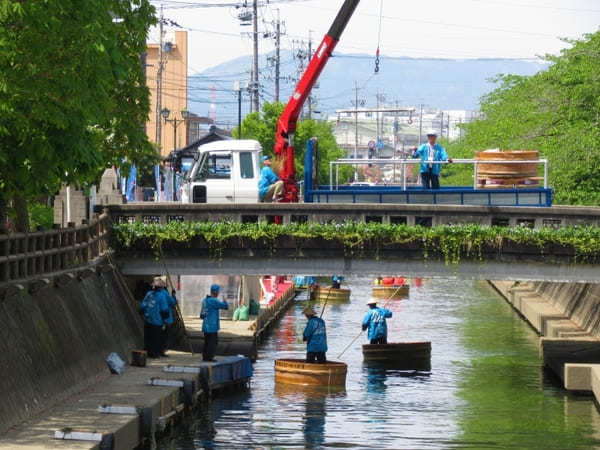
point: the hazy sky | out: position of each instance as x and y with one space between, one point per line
418 28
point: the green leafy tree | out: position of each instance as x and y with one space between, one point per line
263 127
73 96
556 111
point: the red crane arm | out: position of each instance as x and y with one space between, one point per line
286 126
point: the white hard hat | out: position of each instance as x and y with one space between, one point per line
432 132
372 301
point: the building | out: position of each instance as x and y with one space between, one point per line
174 90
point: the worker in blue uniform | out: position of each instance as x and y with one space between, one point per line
375 322
210 322
315 336
429 153
336 282
168 322
155 309
270 187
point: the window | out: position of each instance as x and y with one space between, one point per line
218 166
246 165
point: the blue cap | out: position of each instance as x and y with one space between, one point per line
215 288
264 158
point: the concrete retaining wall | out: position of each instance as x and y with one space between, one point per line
55 335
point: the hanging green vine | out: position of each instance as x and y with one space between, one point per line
453 243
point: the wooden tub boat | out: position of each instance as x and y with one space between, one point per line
401 356
299 372
391 292
331 295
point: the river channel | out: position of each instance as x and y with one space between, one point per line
485 389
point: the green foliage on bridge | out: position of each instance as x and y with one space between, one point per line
453 242
556 111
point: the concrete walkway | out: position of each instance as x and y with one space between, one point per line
154 406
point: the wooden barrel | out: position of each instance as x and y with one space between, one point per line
391 292
299 372
510 174
331 295
401 356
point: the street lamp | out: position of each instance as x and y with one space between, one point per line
185 114
165 113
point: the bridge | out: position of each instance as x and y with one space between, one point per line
288 255
51 253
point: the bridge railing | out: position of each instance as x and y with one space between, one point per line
409 214
24 255
334 166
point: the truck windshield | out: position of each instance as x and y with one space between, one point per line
214 166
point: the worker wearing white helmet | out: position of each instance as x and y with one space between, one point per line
429 154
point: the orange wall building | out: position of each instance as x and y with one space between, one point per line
174 88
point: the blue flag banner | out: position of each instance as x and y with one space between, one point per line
131 183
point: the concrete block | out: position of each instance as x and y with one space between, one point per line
64 280
556 328
556 352
37 285
595 378
575 334
538 312
578 376
13 290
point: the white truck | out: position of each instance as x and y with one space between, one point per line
224 172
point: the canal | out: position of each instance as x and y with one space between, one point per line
485 390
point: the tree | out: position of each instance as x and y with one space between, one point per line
73 96
263 126
556 111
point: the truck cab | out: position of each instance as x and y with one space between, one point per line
224 172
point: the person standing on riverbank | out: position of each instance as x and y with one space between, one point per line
210 322
315 337
155 309
375 322
172 304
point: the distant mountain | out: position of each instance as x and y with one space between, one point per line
443 83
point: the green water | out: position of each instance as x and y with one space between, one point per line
486 388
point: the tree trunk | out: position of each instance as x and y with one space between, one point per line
3 215
22 214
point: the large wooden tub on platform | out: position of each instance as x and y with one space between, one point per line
299 372
331 295
391 292
401 356
501 175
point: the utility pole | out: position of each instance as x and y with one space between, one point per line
159 74
377 117
255 102
421 124
277 55
442 126
355 129
308 58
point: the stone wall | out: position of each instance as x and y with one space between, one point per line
55 335
580 302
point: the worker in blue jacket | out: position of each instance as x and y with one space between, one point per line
430 152
315 337
210 322
270 187
375 322
172 304
155 309
336 282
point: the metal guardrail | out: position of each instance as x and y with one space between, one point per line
24 255
404 162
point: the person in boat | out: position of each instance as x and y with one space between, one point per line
375 322
336 282
315 337
155 309
270 187
210 322
429 153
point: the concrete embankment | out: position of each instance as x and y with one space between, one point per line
567 317
55 335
